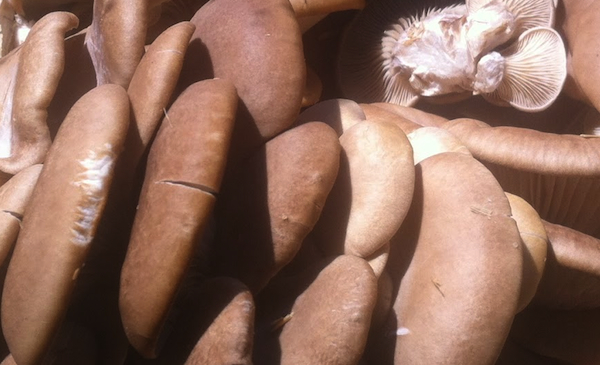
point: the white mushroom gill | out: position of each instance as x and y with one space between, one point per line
91 181
453 50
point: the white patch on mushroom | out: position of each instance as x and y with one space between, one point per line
402 331
97 168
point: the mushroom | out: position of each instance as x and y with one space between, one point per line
282 188
556 174
372 192
185 167
212 322
572 274
449 50
457 260
430 141
266 65
14 198
51 248
30 76
328 316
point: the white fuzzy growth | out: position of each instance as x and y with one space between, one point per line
402 331
97 168
438 52
490 71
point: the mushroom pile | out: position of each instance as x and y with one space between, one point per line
258 182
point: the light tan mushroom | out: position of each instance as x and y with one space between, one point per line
339 114
52 247
430 141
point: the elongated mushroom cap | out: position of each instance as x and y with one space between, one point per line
52 247
30 76
534 72
557 174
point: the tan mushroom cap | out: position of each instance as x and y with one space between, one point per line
535 247
417 116
278 199
534 72
331 319
185 168
339 114
304 8
14 198
572 271
376 113
313 88
372 193
58 228
529 14
266 65
457 260
30 76
556 174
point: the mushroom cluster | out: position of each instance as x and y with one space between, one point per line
299 182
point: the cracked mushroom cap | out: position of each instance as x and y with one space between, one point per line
14 198
535 69
557 174
185 168
61 221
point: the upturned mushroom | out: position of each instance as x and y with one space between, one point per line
52 248
398 52
185 168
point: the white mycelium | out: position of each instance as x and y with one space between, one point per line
439 52
97 167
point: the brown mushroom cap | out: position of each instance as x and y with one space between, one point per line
331 319
457 259
372 193
315 7
281 191
535 246
14 198
556 174
61 221
31 75
572 273
185 168
339 114
266 65
430 141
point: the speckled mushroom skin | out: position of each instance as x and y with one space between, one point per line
457 260
185 167
283 188
14 198
29 78
61 221
266 64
